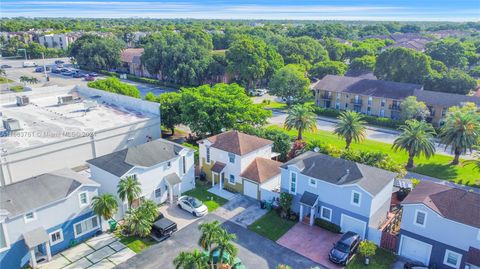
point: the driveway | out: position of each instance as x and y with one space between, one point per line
181 217
242 210
310 241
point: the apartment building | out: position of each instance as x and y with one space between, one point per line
57 41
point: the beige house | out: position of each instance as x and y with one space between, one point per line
240 162
382 98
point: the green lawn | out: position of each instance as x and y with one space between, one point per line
4 80
275 105
211 200
271 226
437 166
383 259
135 243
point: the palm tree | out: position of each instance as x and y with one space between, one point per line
461 131
416 139
149 210
350 126
24 79
105 206
475 161
224 245
210 232
191 260
301 117
138 222
129 189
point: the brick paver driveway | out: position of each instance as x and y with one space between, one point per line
310 241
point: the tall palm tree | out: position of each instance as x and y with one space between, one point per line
105 205
461 131
224 244
301 118
416 139
149 210
191 260
209 233
129 189
350 126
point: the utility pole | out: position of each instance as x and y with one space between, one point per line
44 67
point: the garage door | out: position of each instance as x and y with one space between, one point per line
415 250
250 189
348 223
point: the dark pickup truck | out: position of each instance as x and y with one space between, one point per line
162 228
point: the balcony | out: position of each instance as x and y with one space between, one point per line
357 102
325 96
394 107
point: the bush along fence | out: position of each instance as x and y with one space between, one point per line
377 121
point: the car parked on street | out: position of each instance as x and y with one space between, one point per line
67 73
56 71
59 62
345 248
163 228
89 78
5 66
78 75
192 205
93 74
414 265
40 69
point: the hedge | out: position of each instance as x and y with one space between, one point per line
327 225
377 121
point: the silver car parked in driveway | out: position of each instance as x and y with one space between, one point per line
192 205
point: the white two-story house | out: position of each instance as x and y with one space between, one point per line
354 196
441 226
240 162
43 215
164 169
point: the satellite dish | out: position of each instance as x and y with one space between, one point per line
316 149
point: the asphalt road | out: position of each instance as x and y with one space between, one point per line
255 251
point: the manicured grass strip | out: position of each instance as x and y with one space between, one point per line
383 259
276 105
135 243
437 166
201 192
4 80
271 226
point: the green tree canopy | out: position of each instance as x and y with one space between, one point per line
170 110
321 69
97 53
403 65
290 83
416 139
449 51
410 108
209 110
453 81
365 63
299 50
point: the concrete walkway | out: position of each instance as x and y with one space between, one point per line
101 252
222 193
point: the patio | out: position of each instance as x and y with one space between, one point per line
221 192
104 251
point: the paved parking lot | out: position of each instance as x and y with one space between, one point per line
310 241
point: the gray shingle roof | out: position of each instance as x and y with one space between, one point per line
308 198
444 99
341 172
35 237
35 192
144 155
370 87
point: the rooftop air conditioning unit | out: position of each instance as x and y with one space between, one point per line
11 124
22 100
65 99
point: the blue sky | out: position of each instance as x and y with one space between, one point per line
398 10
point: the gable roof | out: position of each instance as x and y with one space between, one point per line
127 55
35 192
451 203
364 86
342 172
237 142
145 155
444 99
261 169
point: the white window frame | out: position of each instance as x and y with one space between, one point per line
58 241
85 232
459 259
352 198
80 198
416 216
290 183
321 213
34 217
230 177
155 192
5 235
231 157
314 185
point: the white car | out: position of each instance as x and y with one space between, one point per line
192 205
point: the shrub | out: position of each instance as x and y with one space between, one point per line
280 138
367 248
113 84
327 225
17 88
286 203
378 121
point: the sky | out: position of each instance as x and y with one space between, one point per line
378 10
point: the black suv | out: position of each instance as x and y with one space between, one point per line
162 228
344 249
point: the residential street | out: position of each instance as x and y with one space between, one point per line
255 251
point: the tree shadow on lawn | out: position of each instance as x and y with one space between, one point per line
441 171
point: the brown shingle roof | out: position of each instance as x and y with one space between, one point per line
451 203
444 99
237 142
261 169
128 54
473 256
218 167
370 87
